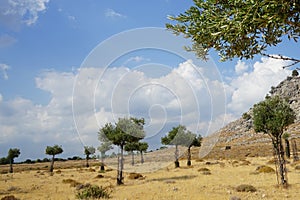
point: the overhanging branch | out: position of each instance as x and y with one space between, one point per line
280 57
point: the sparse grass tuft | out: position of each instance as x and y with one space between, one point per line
72 182
135 176
264 169
204 171
10 197
245 188
297 167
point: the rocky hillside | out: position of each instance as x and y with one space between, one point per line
240 135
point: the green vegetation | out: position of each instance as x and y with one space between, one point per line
93 192
181 136
53 150
237 28
123 132
271 117
88 151
12 154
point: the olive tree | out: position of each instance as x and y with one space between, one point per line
53 150
238 28
271 117
12 154
191 140
88 150
131 147
178 136
103 148
126 130
142 147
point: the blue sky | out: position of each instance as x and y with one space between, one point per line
54 88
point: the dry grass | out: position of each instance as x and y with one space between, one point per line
166 183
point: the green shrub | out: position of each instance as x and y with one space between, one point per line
245 188
93 192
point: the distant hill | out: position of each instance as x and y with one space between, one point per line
240 136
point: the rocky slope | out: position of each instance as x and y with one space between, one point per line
240 135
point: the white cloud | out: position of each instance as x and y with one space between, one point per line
241 67
6 40
3 70
136 59
185 95
13 13
113 14
252 87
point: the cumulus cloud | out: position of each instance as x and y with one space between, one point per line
113 14
241 67
3 70
14 13
91 97
252 87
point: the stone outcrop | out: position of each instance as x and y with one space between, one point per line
240 133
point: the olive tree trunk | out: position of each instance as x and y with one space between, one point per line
142 157
281 163
287 148
102 162
87 161
120 167
11 170
176 156
52 164
132 158
189 163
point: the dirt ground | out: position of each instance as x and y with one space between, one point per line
166 183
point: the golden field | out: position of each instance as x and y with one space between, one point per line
35 182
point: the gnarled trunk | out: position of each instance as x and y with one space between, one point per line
176 156
278 147
287 148
120 167
11 170
189 163
132 158
52 164
142 157
102 162
87 161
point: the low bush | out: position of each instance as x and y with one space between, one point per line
135 176
264 169
10 197
93 192
245 188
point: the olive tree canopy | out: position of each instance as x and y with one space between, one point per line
238 28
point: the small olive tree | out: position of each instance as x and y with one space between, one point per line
192 140
178 136
131 147
142 147
87 152
53 150
103 148
12 154
271 117
126 130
